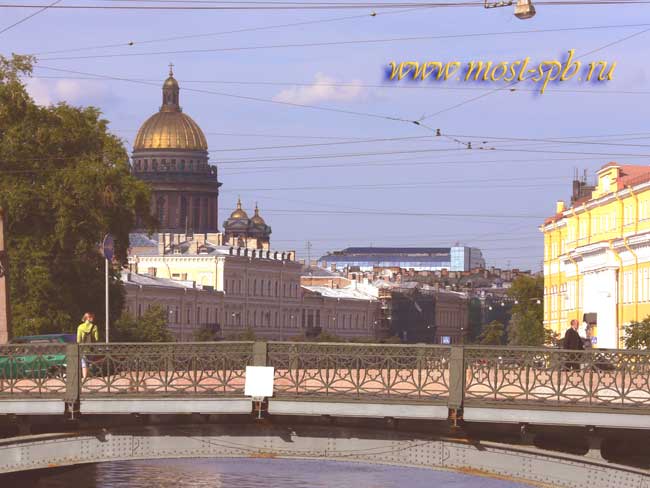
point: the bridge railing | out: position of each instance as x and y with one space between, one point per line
555 377
456 376
165 369
28 370
361 371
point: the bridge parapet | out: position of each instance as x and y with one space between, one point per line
474 381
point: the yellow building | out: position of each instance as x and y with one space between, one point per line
597 256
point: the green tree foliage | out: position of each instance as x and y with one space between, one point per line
526 329
150 327
637 334
475 318
526 291
246 335
206 334
493 334
65 184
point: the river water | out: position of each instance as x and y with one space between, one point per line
250 473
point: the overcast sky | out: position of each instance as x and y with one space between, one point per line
421 190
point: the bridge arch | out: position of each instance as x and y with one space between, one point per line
334 443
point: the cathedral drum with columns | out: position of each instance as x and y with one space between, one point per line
170 153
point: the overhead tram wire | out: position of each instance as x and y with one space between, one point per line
346 43
221 33
33 14
369 85
515 82
245 97
286 6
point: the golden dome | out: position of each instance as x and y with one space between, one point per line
257 219
239 213
170 128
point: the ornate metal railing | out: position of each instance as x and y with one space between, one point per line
165 369
597 377
32 370
360 371
456 376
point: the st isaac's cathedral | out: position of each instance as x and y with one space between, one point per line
170 153
225 281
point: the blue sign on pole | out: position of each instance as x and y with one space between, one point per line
108 247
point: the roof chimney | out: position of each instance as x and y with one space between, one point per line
559 207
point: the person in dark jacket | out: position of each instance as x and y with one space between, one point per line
573 341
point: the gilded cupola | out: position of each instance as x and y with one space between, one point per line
170 128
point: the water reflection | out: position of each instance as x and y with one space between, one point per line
252 473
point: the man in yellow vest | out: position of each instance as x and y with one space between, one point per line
87 333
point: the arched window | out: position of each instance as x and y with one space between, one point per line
160 210
204 214
196 213
183 216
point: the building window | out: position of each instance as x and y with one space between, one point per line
154 164
182 164
188 315
160 210
204 213
196 211
151 271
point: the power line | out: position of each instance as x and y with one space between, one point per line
404 213
312 6
424 117
25 19
388 86
220 33
345 43
249 98
411 184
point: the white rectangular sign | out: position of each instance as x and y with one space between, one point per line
259 381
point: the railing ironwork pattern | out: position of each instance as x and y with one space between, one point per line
361 371
32 370
597 377
451 375
167 369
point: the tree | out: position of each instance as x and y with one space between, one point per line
637 334
475 318
246 335
493 334
150 327
526 329
526 291
66 182
206 334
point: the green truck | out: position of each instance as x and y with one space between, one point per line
40 362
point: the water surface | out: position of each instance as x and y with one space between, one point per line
253 473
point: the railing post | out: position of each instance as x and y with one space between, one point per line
259 353
72 379
456 378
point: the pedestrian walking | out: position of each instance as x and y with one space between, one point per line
87 333
573 341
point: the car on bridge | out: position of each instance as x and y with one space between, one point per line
29 362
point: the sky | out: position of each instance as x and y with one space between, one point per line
301 119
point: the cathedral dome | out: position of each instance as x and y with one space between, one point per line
257 218
170 128
239 213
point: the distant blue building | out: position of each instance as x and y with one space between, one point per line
459 258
